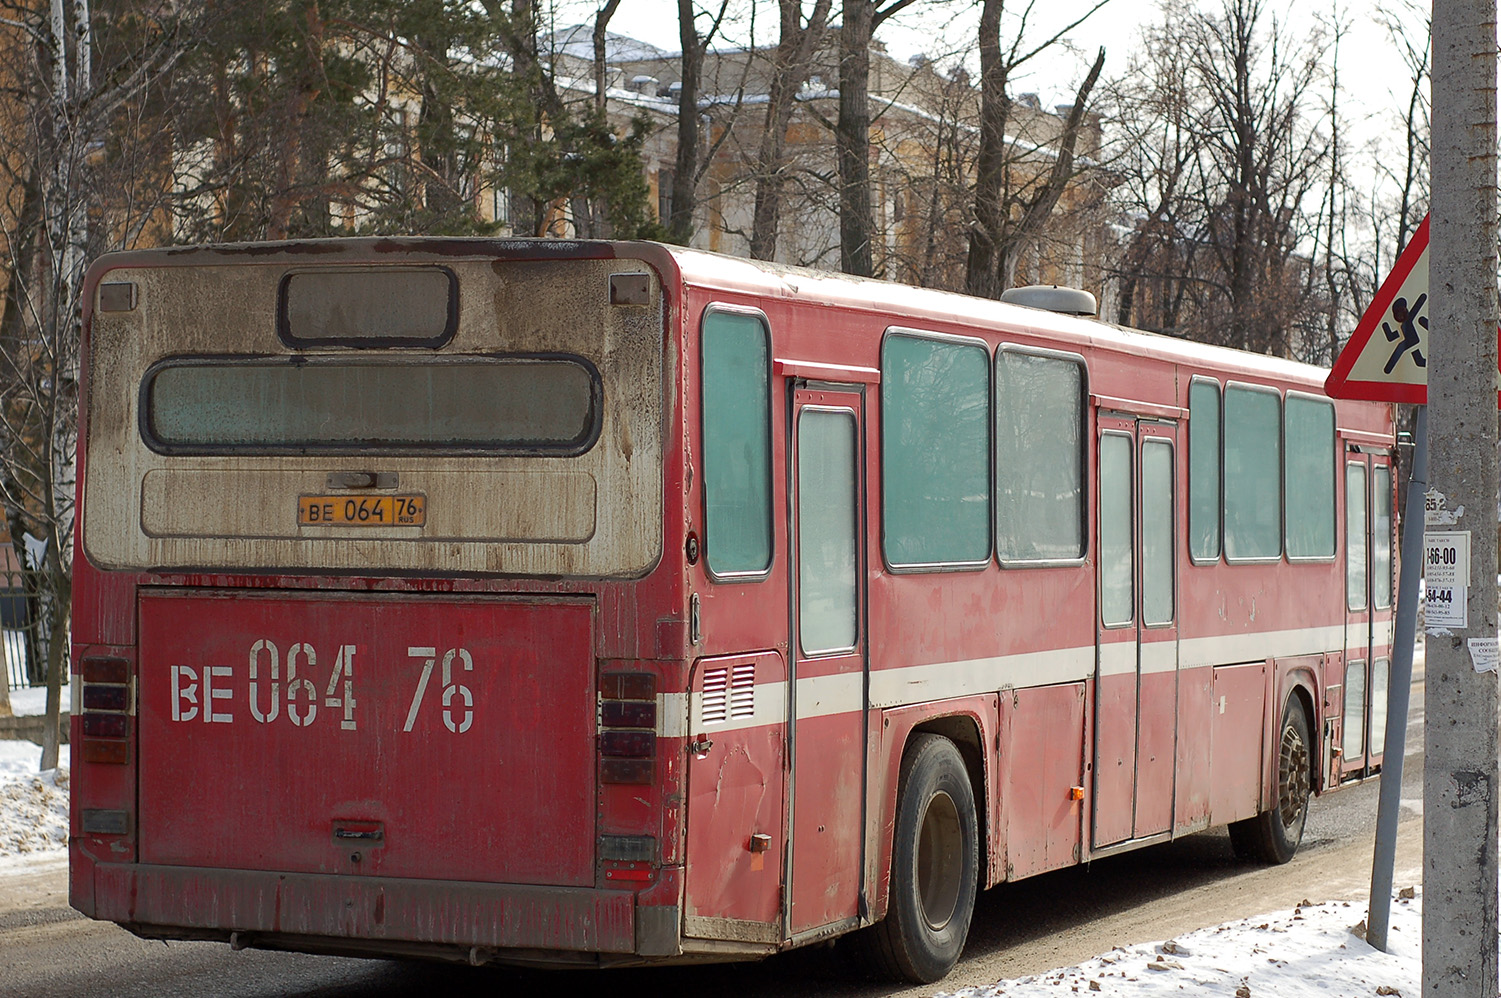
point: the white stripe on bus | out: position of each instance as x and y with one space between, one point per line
819 696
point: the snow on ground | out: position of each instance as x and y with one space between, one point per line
1309 952
33 700
33 806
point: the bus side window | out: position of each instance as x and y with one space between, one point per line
1381 539
1253 473
1355 536
1204 470
1310 467
737 444
1039 456
935 447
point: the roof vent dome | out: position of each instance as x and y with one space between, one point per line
1069 301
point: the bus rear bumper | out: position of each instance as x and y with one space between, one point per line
331 913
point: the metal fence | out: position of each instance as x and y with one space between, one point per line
24 628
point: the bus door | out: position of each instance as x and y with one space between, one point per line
828 689
1136 676
1368 603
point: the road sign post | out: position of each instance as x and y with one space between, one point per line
1389 357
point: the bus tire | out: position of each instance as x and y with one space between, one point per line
1273 836
935 866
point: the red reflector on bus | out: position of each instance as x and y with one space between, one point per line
630 744
106 670
628 686
97 697
640 876
629 714
104 725
111 751
625 771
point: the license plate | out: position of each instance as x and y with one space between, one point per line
361 511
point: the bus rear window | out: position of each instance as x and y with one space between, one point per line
513 405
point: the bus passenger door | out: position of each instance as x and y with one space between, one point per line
1136 677
1368 602
828 654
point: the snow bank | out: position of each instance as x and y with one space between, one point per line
33 700
1309 952
33 806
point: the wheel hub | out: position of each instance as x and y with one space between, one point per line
939 855
1293 787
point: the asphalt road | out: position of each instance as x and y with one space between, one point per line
1058 919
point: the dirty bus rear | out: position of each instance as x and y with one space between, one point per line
365 531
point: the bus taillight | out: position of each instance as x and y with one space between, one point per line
628 722
106 710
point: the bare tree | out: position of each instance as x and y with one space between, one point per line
1262 161
56 171
792 62
1227 163
857 225
1014 195
1157 143
690 162
932 191
1415 48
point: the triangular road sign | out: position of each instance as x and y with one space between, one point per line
1386 358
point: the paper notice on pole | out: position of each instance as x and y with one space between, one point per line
1485 653
1446 573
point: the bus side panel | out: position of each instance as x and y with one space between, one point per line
1195 720
736 796
1042 762
1237 720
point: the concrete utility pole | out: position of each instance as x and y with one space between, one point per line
1459 768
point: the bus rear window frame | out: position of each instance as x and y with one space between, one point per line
159 446
292 341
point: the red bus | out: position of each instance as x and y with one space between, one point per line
609 603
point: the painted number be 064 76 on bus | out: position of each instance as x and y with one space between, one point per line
208 691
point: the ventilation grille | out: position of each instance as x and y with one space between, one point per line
729 693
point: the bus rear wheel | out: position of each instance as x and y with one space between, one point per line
935 865
1273 836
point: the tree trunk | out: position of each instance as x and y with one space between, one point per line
435 126
857 224
59 606
794 59
288 194
995 108
601 27
685 167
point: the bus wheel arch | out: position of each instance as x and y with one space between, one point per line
935 865
964 731
1273 835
